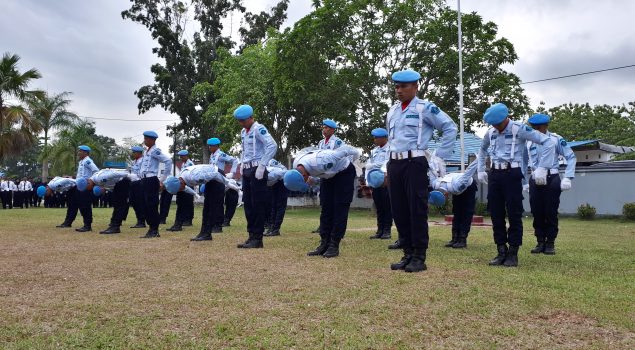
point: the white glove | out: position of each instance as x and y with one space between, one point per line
260 171
439 165
482 177
229 176
540 176
526 188
565 184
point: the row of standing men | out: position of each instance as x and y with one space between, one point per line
402 179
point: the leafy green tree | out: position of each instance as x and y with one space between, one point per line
63 151
611 124
186 62
18 129
259 24
52 113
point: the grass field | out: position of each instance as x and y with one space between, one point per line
62 289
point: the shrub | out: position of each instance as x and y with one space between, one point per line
481 209
628 210
586 212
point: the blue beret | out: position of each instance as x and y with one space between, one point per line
81 183
183 152
379 132
214 141
330 123
539 119
201 188
84 148
495 114
151 134
436 198
136 149
98 191
406 76
294 181
41 191
376 178
243 112
172 184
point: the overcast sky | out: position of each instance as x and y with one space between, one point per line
85 47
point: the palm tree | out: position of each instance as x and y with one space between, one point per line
63 152
18 130
51 113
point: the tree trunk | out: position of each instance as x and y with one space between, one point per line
45 161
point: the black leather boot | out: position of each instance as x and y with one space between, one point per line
254 243
273 232
550 248
333 249
217 229
140 224
450 244
405 260
417 262
540 246
396 245
377 234
500 258
187 223
63 225
84 228
324 244
225 223
512 257
152 233
202 236
110 230
461 242
385 233
176 227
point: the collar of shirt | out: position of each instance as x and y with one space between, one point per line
405 104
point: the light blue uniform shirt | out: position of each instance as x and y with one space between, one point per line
135 168
412 128
61 184
454 183
86 168
499 146
258 145
220 158
378 158
108 178
201 174
188 163
151 159
333 143
325 164
275 171
562 150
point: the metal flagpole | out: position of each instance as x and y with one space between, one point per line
461 118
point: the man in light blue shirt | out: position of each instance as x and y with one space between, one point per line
336 173
136 191
377 162
115 180
208 175
410 124
220 159
505 144
184 200
258 148
330 140
61 185
84 200
278 197
545 200
150 182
